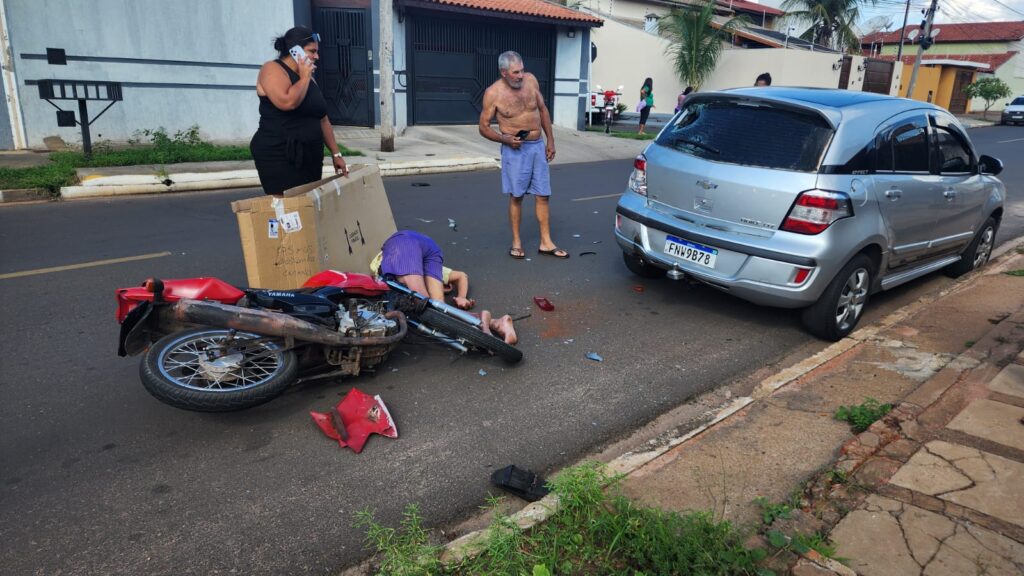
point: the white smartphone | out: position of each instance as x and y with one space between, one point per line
298 54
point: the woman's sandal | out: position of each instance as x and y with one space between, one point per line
556 252
516 253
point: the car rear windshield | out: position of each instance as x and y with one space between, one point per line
750 134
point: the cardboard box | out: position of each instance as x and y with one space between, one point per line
337 223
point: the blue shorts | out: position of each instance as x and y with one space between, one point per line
525 171
407 252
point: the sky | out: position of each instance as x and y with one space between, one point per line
949 11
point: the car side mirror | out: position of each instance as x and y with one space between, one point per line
990 165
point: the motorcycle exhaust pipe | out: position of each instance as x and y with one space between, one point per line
220 315
437 305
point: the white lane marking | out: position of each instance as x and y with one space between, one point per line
617 194
1014 140
82 265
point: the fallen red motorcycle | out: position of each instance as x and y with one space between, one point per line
213 347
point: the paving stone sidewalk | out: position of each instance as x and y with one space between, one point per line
934 488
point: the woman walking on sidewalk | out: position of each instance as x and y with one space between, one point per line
288 146
646 102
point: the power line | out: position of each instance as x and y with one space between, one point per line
1009 8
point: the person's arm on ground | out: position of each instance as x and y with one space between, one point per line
274 82
545 122
460 282
332 144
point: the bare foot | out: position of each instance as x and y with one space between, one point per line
504 327
485 321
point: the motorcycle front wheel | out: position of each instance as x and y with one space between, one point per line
211 370
470 335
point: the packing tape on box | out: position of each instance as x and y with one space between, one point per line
316 198
337 188
278 205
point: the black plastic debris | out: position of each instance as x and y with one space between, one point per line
520 482
421 184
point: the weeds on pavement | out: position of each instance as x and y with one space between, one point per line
596 530
862 415
1016 273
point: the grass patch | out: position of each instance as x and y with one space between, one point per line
595 531
1016 273
621 134
862 415
146 147
969 343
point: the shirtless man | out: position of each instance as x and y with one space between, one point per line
516 101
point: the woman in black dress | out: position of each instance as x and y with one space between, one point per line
288 146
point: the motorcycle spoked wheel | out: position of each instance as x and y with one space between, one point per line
470 335
195 370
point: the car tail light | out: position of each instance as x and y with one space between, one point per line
638 179
801 275
816 210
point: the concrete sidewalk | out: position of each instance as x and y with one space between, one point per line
935 487
419 150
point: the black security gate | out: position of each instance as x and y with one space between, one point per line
345 71
453 60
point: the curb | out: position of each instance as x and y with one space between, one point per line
24 195
470 544
122 184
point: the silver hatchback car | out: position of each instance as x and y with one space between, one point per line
809 198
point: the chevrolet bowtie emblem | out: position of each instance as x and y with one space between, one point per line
706 184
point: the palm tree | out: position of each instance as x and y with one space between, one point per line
830 22
694 42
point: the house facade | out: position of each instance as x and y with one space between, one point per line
195 62
959 54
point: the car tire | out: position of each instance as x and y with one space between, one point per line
841 305
641 268
977 252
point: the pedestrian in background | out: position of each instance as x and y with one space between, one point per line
288 147
682 98
763 80
646 102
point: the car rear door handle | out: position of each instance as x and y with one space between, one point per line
949 193
894 194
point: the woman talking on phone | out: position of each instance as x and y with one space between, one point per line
288 145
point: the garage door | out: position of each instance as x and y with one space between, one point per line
453 60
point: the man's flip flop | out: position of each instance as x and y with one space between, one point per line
556 252
516 253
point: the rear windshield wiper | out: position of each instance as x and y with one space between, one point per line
696 143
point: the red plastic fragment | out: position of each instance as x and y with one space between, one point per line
638 288
352 421
543 303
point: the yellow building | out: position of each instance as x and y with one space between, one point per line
941 81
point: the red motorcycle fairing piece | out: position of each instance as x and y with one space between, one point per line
192 288
354 418
359 284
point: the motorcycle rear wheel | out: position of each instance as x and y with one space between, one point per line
470 334
180 370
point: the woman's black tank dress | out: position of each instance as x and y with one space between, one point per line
288 147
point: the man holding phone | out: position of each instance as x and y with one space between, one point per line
515 100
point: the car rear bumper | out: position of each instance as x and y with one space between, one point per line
745 269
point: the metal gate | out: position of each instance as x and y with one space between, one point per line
877 76
345 69
452 61
957 98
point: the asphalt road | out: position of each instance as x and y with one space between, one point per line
100 478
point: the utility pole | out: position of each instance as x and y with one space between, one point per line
903 31
924 42
387 76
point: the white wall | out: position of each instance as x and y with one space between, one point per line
565 111
1011 72
739 68
626 56
197 32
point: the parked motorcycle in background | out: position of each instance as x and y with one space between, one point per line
609 102
213 347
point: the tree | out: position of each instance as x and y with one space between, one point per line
694 42
831 22
989 89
